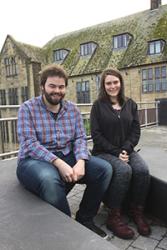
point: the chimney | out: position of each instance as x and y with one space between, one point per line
155 4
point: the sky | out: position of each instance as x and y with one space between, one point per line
36 22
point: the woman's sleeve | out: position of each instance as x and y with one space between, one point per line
134 135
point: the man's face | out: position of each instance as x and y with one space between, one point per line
54 89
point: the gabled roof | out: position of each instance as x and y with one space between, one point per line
26 50
33 52
143 26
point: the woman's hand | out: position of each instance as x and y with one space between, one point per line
124 156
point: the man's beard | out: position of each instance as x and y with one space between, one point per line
51 100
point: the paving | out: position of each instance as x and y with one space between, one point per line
153 148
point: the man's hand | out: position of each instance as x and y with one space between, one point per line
124 156
65 170
79 170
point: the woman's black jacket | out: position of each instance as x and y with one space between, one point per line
112 132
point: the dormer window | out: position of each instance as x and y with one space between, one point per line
87 48
121 41
59 55
155 47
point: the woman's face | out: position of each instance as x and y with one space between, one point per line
112 85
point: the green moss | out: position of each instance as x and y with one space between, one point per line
161 31
143 27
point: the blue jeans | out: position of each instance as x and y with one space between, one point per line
43 179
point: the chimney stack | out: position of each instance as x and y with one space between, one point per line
155 4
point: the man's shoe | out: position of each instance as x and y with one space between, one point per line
90 225
138 217
116 224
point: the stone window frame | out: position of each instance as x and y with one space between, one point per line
98 83
160 78
154 79
88 48
147 80
10 66
121 41
13 96
24 93
2 97
156 47
59 55
83 91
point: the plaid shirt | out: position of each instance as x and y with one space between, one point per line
40 135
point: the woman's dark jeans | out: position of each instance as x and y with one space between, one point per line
130 178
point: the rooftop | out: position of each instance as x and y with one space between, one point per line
153 149
143 27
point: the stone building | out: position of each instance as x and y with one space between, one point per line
19 67
135 44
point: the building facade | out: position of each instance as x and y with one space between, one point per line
135 44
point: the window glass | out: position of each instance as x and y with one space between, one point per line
87 49
154 82
83 92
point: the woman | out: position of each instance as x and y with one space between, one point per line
115 131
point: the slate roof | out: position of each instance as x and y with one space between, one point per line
34 53
144 26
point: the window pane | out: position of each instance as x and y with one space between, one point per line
115 43
150 73
144 74
87 86
83 86
59 55
119 41
151 48
158 85
93 46
78 86
164 85
164 72
158 47
97 82
150 87
87 49
145 88
157 73
83 92
124 40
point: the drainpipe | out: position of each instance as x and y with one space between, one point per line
155 4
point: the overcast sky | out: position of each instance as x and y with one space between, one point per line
37 21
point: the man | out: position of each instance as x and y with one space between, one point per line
53 154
